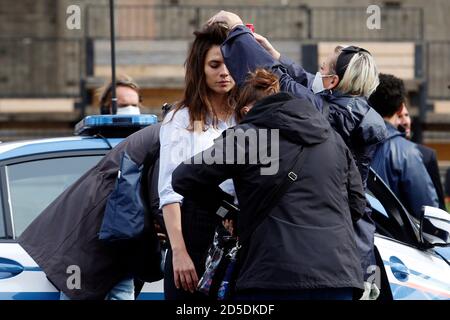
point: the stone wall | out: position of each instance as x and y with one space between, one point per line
54 68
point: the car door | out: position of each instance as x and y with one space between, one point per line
28 185
413 272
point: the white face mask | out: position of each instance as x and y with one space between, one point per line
128 110
317 85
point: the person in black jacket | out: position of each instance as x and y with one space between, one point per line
428 155
397 160
305 248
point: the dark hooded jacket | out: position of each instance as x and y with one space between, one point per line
399 163
307 240
359 125
66 232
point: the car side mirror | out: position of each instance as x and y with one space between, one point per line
435 227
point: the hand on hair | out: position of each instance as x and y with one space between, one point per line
267 45
229 18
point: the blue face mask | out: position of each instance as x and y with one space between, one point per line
317 85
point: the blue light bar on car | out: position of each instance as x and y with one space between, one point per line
91 125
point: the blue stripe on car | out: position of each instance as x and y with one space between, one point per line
29 295
55 296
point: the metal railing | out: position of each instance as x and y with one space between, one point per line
41 67
343 24
162 22
37 67
278 23
438 69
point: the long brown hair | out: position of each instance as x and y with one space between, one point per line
196 92
257 85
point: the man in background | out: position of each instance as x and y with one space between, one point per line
428 155
397 160
128 97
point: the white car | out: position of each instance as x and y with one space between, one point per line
32 175
414 255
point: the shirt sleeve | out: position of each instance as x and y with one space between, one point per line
176 146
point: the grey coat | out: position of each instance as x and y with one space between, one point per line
66 233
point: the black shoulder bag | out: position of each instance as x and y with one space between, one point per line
224 260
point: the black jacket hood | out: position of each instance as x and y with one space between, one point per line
297 119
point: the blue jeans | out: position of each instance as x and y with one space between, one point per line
305 294
123 290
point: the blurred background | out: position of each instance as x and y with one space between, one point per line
49 71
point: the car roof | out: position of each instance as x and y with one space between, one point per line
94 132
10 150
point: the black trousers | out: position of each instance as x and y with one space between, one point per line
198 225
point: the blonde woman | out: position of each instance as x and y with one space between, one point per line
340 89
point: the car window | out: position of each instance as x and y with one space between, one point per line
34 185
376 204
385 225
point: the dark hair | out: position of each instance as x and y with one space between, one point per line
258 84
105 93
388 97
196 91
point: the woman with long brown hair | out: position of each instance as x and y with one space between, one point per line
207 109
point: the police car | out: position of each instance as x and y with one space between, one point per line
413 256
32 175
411 264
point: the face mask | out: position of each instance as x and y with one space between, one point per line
317 85
128 110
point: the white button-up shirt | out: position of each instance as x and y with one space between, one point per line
179 144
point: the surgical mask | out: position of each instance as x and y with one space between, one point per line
128 110
317 85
